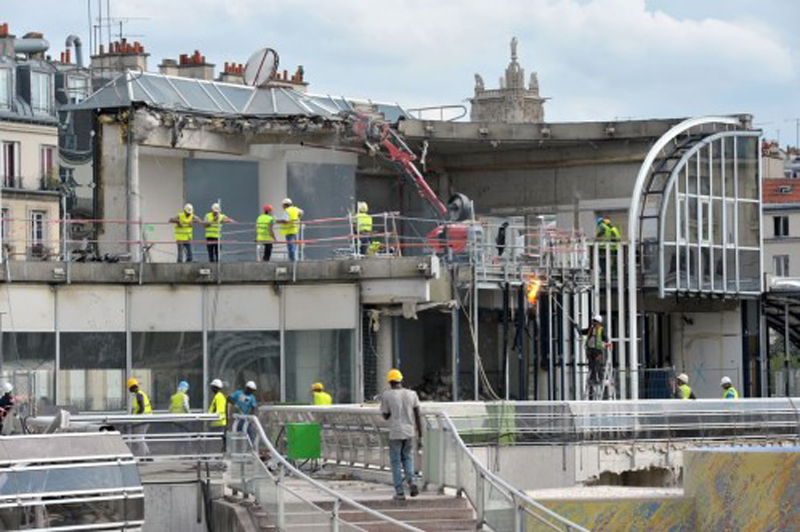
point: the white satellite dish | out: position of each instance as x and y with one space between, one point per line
261 67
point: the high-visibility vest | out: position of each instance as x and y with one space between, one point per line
219 405
686 391
263 224
595 338
730 393
364 222
322 398
177 403
292 227
145 400
215 229
184 230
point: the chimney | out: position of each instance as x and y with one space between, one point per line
295 82
232 73
194 66
121 56
6 41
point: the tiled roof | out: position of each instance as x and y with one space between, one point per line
781 190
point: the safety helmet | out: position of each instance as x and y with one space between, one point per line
217 383
215 207
183 386
267 208
132 382
599 220
8 387
362 206
251 385
598 318
286 201
317 387
724 381
188 208
394 375
683 377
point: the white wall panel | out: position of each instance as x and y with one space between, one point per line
27 308
166 308
96 309
331 306
243 308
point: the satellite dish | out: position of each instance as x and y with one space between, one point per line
261 67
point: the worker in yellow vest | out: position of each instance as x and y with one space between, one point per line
728 391
290 226
683 391
265 234
213 224
219 405
363 227
179 402
320 397
141 402
184 232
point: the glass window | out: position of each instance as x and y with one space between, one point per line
749 224
730 223
716 168
705 221
704 174
38 227
160 360
41 92
691 167
47 167
11 165
5 224
5 88
730 161
77 89
780 265
748 167
749 268
240 356
780 225
325 356
92 371
29 363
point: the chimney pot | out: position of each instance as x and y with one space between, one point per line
101 49
69 56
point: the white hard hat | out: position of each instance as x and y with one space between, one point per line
724 381
217 383
7 387
598 318
188 207
251 385
286 201
683 377
215 207
362 206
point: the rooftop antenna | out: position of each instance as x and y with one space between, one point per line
261 67
796 130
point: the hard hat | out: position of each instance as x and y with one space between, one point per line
362 206
317 387
132 382
188 207
683 377
8 387
598 318
217 383
286 201
215 207
183 386
724 381
267 208
394 376
251 385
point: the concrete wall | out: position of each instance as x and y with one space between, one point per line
173 507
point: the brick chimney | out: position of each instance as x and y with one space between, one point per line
6 41
168 67
232 73
195 66
121 56
296 81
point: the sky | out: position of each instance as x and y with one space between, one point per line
597 59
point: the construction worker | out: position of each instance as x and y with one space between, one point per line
683 390
6 403
184 232
265 233
245 404
400 407
728 391
213 224
141 402
320 397
596 343
179 402
290 226
219 405
363 227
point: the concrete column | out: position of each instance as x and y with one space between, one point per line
134 231
385 350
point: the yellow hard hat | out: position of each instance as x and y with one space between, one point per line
132 382
317 387
394 376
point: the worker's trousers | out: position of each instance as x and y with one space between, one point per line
400 457
212 244
291 247
266 251
184 252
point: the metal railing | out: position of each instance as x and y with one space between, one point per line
287 506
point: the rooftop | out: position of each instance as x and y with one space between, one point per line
781 191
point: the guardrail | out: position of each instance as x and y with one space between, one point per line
268 485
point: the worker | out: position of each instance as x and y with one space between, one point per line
265 233
683 391
596 343
320 396
245 403
213 224
141 402
219 406
290 226
6 403
184 232
179 402
500 240
363 227
400 407
728 391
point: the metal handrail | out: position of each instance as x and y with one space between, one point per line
286 466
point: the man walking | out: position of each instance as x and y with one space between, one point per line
265 233
184 232
219 406
290 226
401 408
141 402
213 223
728 391
684 391
179 402
321 397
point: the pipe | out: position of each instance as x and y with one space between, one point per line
31 45
74 39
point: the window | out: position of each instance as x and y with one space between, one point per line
780 265
786 189
38 219
41 92
77 89
780 225
48 169
5 224
5 88
705 221
11 169
91 373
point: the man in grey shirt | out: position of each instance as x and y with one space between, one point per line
401 408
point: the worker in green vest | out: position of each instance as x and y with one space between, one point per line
728 391
290 226
320 397
683 391
141 402
213 224
265 233
179 402
184 232
596 343
219 405
363 227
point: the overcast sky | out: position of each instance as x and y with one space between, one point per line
596 59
